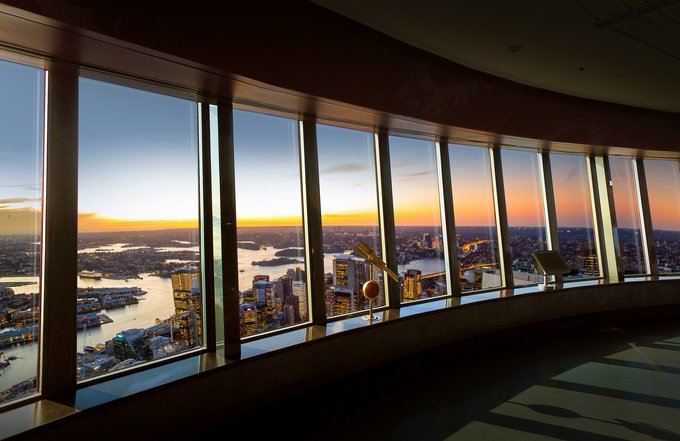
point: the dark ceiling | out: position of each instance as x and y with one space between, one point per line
620 51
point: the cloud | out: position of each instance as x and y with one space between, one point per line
414 175
460 164
344 168
19 220
18 200
29 187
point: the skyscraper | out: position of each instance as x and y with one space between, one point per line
188 304
300 293
587 259
413 286
349 275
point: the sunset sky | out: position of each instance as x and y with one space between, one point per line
347 177
415 187
138 169
625 193
472 188
137 159
522 188
572 192
21 95
267 167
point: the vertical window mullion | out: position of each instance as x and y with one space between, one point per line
60 232
386 213
549 211
311 208
232 332
205 226
651 262
448 219
597 212
609 231
505 253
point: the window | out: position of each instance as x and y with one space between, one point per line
574 212
216 224
418 225
475 217
627 210
663 187
21 141
524 203
349 215
271 246
139 283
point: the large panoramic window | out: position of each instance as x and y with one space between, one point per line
139 281
349 215
627 210
272 280
574 212
475 217
524 203
21 140
663 187
417 218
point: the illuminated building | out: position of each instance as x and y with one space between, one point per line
261 310
263 291
413 286
248 317
587 259
300 294
188 304
349 275
384 84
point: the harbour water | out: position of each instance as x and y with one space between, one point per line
157 303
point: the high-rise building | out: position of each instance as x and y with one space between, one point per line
248 316
263 291
186 294
413 286
131 343
587 259
300 294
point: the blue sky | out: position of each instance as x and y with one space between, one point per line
21 122
137 154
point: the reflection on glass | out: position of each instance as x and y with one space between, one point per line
349 214
139 281
574 215
627 214
663 187
475 217
21 140
271 255
526 223
418 225
216 225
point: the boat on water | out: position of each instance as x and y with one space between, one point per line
90 275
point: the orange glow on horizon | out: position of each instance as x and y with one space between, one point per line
93 223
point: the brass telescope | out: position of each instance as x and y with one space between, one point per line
367 253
